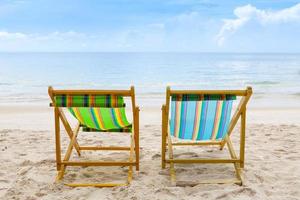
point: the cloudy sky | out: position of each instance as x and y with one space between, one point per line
150 25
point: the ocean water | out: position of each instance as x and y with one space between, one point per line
24 77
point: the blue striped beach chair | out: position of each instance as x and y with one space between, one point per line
203 117
95 110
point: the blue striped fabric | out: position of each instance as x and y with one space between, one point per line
200 120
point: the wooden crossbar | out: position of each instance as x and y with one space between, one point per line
211 161
214 181
92 92
196 143
105 148
98 163
229 92
95 184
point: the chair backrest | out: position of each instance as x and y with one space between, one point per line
204 114
200 117
90 98
95 109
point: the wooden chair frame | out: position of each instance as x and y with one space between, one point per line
61 164
238 162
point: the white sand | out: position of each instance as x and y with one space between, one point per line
27 156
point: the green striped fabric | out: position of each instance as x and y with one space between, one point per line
89 101
101 119
197 97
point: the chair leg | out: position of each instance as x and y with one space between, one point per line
163 152
67 156
163 139
136 140
137 155
233 156
172 170
57 139
60 173
242 138
130 160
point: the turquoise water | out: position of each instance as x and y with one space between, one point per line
25 76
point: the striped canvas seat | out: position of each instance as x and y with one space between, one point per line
196 117
101 119
104 113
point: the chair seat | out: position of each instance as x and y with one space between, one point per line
200 120
101 119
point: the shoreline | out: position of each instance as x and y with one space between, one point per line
40 116
270 100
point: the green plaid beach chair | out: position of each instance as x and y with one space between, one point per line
95 110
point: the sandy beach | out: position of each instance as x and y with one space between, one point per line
27 157
215 61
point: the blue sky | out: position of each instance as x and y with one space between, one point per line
150 25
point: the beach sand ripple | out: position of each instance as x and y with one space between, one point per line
271 172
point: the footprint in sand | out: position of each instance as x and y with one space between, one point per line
223 196
26 162
143 173
157 134
246 190
3 149
39 194
188 154
87 175
164 192
259 178
148 126
181 170
155 156
24 170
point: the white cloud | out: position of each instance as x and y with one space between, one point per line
53 41
4 35
248 13
186 17
157 26
8 35
187 31
69 35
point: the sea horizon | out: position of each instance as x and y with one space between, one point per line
25 76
